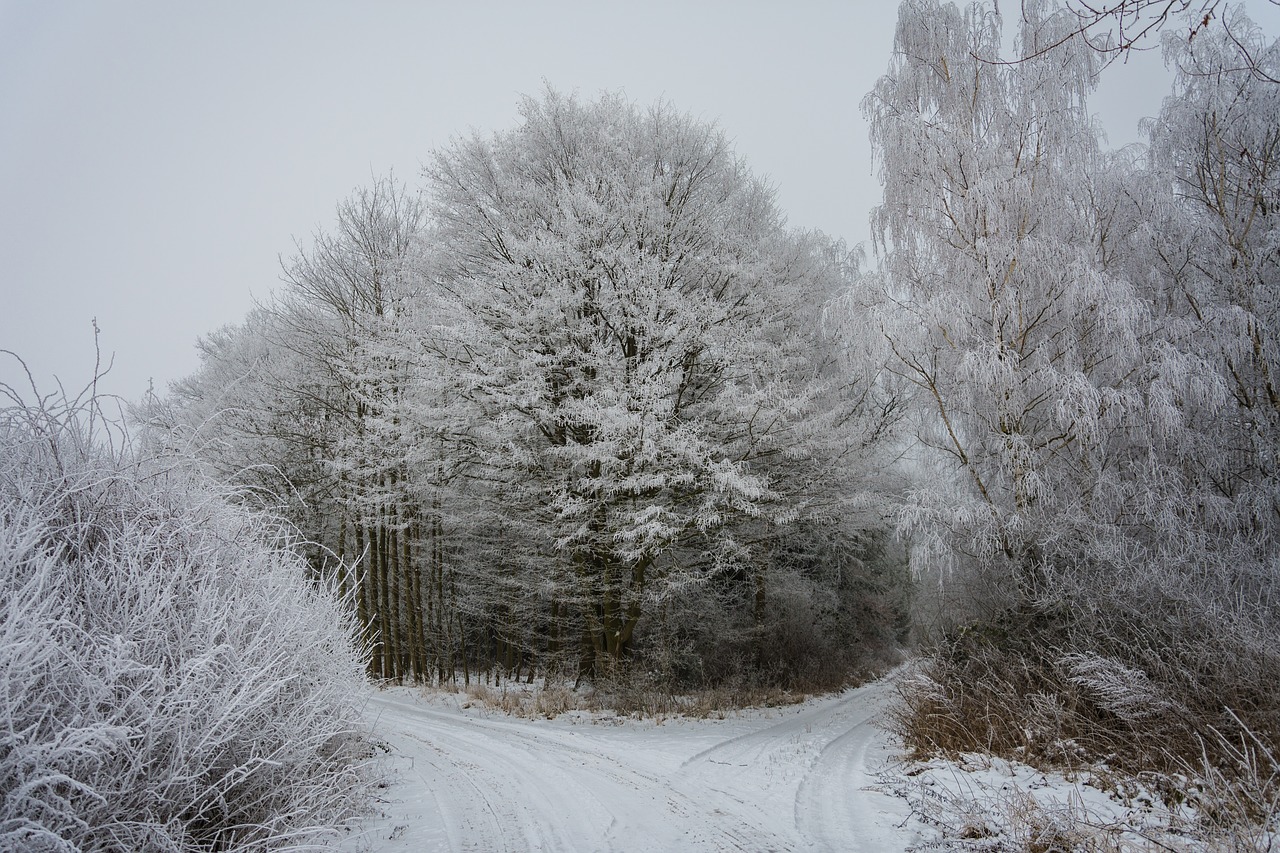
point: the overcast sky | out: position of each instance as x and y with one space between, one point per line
157 158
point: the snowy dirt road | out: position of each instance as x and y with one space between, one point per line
784 779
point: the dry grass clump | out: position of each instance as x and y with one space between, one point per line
527 700
632 691
1184 710
550 700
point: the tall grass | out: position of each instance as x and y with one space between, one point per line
1140 686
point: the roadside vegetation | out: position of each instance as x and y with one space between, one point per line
1092 337
175 679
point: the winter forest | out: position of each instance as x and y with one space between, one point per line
576 407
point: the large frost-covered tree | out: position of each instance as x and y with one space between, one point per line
630 307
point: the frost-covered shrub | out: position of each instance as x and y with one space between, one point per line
1093 356
824 609
170 679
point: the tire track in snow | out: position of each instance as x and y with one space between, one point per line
752 744
832 751
836 807
500 783
487 795
534 789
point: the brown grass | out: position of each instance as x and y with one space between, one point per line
1020 688
533 701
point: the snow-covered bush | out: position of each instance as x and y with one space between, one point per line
823 609
170 678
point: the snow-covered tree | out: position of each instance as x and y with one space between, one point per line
1002 306
346 309
1218 142
629 300
304 402
1090 340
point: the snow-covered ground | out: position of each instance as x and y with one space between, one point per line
819 776
782 779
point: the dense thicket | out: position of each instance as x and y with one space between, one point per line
569 406
172 679
1091 339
